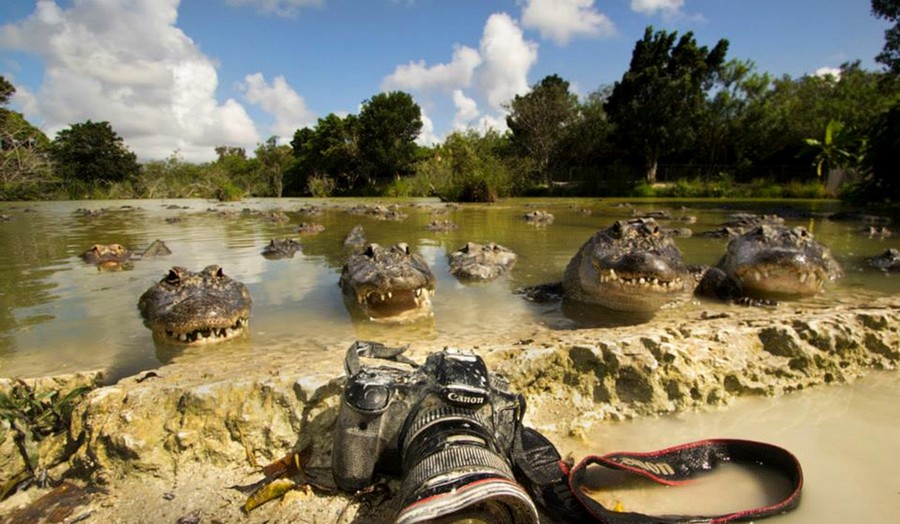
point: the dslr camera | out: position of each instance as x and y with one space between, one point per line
447 429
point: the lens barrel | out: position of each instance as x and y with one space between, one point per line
451 465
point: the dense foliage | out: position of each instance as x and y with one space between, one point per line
684 120
890 55
90 154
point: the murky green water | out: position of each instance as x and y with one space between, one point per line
58 314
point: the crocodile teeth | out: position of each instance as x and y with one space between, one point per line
803 277
757 276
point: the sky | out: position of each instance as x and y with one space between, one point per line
184 76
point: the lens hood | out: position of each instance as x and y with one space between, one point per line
489 499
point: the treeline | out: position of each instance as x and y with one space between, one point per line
683 114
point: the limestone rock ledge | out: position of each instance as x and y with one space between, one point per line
190 430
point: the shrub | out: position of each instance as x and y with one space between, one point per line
320 186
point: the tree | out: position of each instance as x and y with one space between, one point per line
882 183
274 161
7 90
539 119
389 124
658 98
890 54
92 152
331 151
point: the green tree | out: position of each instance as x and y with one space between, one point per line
7 90
389 124
25 168
92 152
330 151
469 167
884 149
274 161
538 120
585 151
890 54
655 104
772 127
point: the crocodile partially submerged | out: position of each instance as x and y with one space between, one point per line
194 308
740 223
278 248
887 261
630 266
771 262
387 284
484 262
108 257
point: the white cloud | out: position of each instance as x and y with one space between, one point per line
418 77
427 137
283 8
561 20
281 101
466 110
650 7
507 59
826 71
495 73
495 122
128 64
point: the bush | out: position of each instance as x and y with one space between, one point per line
320 186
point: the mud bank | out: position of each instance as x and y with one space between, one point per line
172 443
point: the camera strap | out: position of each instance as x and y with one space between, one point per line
558 487
369 349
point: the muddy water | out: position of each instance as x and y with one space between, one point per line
844 436
59 314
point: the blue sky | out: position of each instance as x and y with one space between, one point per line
192 74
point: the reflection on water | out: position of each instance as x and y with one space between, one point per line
58 314
844 436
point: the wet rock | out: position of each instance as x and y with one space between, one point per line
192 430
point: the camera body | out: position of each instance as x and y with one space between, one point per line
412 423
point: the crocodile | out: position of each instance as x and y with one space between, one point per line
539 218
630 266
195 308
280 248
740 223
108 257
771 261
887 261
310 228
391 285
485 262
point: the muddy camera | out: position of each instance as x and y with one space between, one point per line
446 429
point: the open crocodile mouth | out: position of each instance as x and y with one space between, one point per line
396 302
205 335
784 280
627 281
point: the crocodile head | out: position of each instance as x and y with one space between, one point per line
194 308
387 284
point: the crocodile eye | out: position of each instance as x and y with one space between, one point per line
370 250
173 277
220 273
404 247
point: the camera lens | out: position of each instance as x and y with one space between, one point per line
453 469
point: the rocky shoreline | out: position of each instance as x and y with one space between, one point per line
169 444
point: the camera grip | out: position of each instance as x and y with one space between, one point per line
355 448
